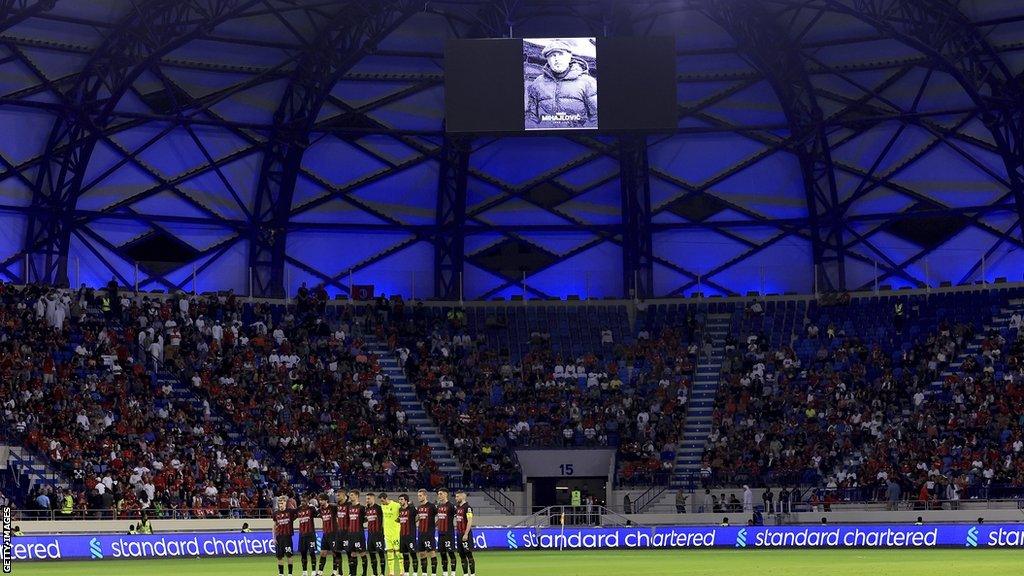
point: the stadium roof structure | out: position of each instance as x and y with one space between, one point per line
217 144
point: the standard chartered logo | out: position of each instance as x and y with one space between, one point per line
95 550
741 538
511 539
972 537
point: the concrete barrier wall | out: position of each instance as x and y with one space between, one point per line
1003 515
197 525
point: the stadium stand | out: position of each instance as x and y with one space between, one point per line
838 396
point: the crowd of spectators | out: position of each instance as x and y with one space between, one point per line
630 394
303 402
256 398
861 419
76 392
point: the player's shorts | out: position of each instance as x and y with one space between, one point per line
446 542
425 543
356 543
283 546
328 542
307 543
375 543
407 545
392 543
464 545
341 541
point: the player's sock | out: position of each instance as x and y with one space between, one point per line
373 563
323 563
280 569
383 561
305 563
472 564
433 565
444 563
405 564
365 563
353 565
290 566
415 564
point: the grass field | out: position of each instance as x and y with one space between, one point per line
617 563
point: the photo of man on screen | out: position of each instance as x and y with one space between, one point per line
561 88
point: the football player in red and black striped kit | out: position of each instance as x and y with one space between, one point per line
446 532
425 513
356 536
464 533
307 535
341 531
284 529
328 518
375 535
407 535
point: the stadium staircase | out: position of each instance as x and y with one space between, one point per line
22 471
1000 321
701 402
415 413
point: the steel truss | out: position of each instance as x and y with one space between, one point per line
137 42
767 36
353 32
954 45
762 39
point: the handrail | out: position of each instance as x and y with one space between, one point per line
501 499
647 497
571 515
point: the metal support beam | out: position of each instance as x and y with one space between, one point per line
637 238
450 240
139 40
12 12
495 18
772 50
351 33
939 30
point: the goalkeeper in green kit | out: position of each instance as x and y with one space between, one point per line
390 510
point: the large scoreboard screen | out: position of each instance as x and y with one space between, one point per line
558 84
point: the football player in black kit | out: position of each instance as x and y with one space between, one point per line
328 516
464 533
375 535
341 531
425 513
445 523
307 535
356 536
284 528
407 535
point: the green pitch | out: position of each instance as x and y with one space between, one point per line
615 563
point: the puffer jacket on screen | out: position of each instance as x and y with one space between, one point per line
574 96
